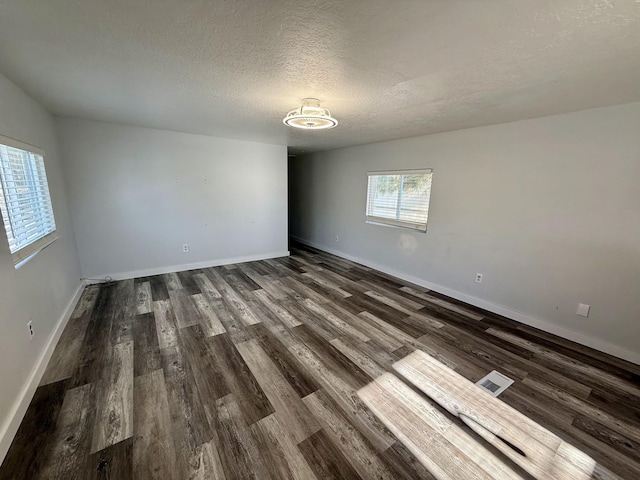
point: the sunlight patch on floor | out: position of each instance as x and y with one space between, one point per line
450 450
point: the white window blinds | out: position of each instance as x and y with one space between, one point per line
24 199
399 198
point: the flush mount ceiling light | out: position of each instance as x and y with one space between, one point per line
311 116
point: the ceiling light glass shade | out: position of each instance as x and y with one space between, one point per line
310 116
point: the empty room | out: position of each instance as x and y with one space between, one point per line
320 239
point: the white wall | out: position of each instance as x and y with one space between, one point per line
138 194
42 289
547 209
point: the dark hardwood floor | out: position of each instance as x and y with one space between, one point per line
252 371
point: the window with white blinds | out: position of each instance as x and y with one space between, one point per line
399 198
24 199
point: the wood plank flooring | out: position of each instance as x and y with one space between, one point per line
523 441
253 371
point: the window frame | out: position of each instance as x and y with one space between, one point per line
395 222
25 252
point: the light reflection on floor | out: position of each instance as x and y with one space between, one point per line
506 444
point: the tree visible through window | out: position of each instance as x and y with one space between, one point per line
399 198
24 199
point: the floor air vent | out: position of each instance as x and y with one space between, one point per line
495 383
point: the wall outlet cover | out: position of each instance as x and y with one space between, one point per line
583 310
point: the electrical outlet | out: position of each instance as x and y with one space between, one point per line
583 310
478 278
30 330
337 238
185 247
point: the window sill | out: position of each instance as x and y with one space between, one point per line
397 225
40 247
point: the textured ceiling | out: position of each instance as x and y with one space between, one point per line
386 69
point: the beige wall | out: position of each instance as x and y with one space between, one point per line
547 209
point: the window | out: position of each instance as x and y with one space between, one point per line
399 199
24 199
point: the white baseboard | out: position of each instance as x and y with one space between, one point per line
187 266
11 425
581 338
